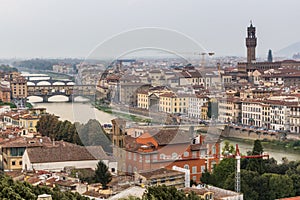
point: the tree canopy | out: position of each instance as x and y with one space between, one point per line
89 134
16 190
260 179
102 175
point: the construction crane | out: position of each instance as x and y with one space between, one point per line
238 157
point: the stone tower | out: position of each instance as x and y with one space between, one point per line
251 42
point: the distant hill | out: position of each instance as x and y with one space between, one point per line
289 51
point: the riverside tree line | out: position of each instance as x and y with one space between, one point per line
89 134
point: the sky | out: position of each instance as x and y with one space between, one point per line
73 28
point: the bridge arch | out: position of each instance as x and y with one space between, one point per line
80 99
58 83
30 83
70 83
58 98
35 99
43 83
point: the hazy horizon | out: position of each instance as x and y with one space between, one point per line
72 29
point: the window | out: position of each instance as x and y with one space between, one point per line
202 169
154 157
17 151
113 169
147 158
202 152
194 169
13 162
174 155
194 154
186 166
186 154
214 150
134 156
162 156
20 162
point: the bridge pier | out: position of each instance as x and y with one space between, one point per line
45 99
71 98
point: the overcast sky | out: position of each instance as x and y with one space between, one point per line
72 28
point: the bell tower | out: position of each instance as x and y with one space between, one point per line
251 42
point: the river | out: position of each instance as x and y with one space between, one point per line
82 112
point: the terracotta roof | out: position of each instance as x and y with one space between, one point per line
195 147
170 136
291 198
21 142
65 153
161 173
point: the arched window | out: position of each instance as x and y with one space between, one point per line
162 156
214 150
174 155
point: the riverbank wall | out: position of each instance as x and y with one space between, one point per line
231 132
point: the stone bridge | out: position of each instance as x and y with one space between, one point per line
70 91
49 82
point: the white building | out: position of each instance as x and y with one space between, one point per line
295 119
57 158
195 104
252 113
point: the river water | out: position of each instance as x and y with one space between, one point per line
82 112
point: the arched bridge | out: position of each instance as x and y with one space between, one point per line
48 82
70 91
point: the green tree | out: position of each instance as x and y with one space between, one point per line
280 186
256 164
222 171
257 148
247 184
102 175
228 149
163 192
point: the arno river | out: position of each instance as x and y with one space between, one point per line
82 112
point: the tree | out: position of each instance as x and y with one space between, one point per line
280 186
247 184
256 164
228 149
102 175
221 172
257 148
162 192
10 189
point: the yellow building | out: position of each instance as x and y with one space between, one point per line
29 122
18 85
142 100
172 103
204 111
12 151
